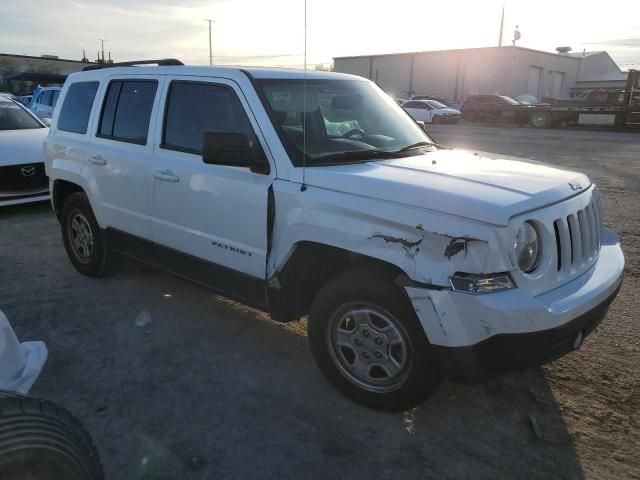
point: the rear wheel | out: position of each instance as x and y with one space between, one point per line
541 119
82 237
41 441
368 342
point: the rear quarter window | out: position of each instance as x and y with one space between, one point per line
76 108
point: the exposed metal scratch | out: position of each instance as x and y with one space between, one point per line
459 244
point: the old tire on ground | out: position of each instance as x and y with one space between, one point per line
41 441
541 119
83 240
368 342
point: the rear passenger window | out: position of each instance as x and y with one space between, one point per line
126 111
195 108
45 98
74 115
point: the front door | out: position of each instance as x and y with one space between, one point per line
215 213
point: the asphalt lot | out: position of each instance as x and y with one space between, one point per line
212 389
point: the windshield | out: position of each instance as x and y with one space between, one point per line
346 121
510 100
436 104
13 117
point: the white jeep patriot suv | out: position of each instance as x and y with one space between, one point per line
315 193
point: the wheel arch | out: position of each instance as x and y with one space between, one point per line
61 190
310 265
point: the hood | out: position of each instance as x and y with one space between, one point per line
449 111
22 146
477 186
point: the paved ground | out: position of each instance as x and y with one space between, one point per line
211 389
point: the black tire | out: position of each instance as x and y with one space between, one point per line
372 285
437 120
541 119
96 260
41 441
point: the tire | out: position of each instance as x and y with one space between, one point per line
437 120
541 119
365 301
83 240
41 441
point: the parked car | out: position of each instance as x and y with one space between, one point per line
44 101
431 111
22 176
412 261
496 108
448 103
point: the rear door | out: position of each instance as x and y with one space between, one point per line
122 145
216 213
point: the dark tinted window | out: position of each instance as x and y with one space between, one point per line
127 110
74 115
412 105
56 94
109 109
195 108
45 97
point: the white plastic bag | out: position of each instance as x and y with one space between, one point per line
20 364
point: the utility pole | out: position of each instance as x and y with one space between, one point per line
210 46
102 50
501 27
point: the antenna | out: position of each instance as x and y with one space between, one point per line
501 27
210 45
303 187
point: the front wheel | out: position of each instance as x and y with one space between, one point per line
437 120
368 342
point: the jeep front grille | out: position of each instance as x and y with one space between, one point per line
578 236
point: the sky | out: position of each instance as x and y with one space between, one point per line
272 32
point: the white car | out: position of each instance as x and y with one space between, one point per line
44 101
22 175
431 111
315 193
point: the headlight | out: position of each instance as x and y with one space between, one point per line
527 248
479 284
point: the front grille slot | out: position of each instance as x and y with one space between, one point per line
556 229
578 236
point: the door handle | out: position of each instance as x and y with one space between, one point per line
97 160
166 176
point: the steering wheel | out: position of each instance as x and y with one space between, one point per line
355 131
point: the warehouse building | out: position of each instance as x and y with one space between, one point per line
47 66
458 74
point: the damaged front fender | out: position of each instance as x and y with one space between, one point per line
428 246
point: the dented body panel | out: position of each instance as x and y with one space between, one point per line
427 246
455 319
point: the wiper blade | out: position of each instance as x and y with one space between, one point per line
353 155
413 146
364 155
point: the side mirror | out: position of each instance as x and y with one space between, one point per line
234 150
46 121
422 125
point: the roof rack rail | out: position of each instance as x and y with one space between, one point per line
163 62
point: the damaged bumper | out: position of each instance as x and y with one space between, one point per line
475 336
